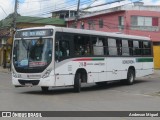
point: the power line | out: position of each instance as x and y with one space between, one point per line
34 1
103 4
3 10
50 8
49 11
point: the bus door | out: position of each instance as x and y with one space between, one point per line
63 67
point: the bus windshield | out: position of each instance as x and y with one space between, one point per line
32 55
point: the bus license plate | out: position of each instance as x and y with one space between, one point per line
28 84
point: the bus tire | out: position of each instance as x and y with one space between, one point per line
130 77
77 82
45 89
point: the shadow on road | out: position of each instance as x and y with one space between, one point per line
84 88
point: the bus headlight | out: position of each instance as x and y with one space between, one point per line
46 74
14 74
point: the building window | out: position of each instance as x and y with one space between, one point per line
82 24
73 25
154 21
144 23
91 24
101 23
121 22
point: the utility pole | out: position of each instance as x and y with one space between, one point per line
15 15
13 29
78 9
77 16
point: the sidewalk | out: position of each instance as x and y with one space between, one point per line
6 70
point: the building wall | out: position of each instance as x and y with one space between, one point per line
110 22
153 34
156 50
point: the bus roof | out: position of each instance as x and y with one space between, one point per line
93 32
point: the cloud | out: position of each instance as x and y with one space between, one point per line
44 7
6 7
40 8
126 2
151 2
109 5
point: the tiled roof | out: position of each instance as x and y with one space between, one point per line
37 20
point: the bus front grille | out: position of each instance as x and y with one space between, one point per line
24 82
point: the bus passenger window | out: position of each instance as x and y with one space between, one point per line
98 47
125 48
119 46
82 45
136 49
112 47
130 44
58 53
64 48
146 48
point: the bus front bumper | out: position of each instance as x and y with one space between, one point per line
20 82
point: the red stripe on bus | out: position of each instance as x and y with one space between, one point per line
83 59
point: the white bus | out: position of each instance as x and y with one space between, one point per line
54 56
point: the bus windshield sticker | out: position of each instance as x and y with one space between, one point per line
33 42
24 62
37 64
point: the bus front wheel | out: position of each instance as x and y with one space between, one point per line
77 83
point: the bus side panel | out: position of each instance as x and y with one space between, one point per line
64 80
138 68
113 68
92 77
49 81
148 67
95 68
102 76
64 73
144 66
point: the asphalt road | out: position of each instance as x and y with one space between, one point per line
144 95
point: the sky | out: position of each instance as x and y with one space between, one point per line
43 8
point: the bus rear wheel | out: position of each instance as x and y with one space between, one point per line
45 89
130 77
77 83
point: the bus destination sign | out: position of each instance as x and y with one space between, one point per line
34 33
